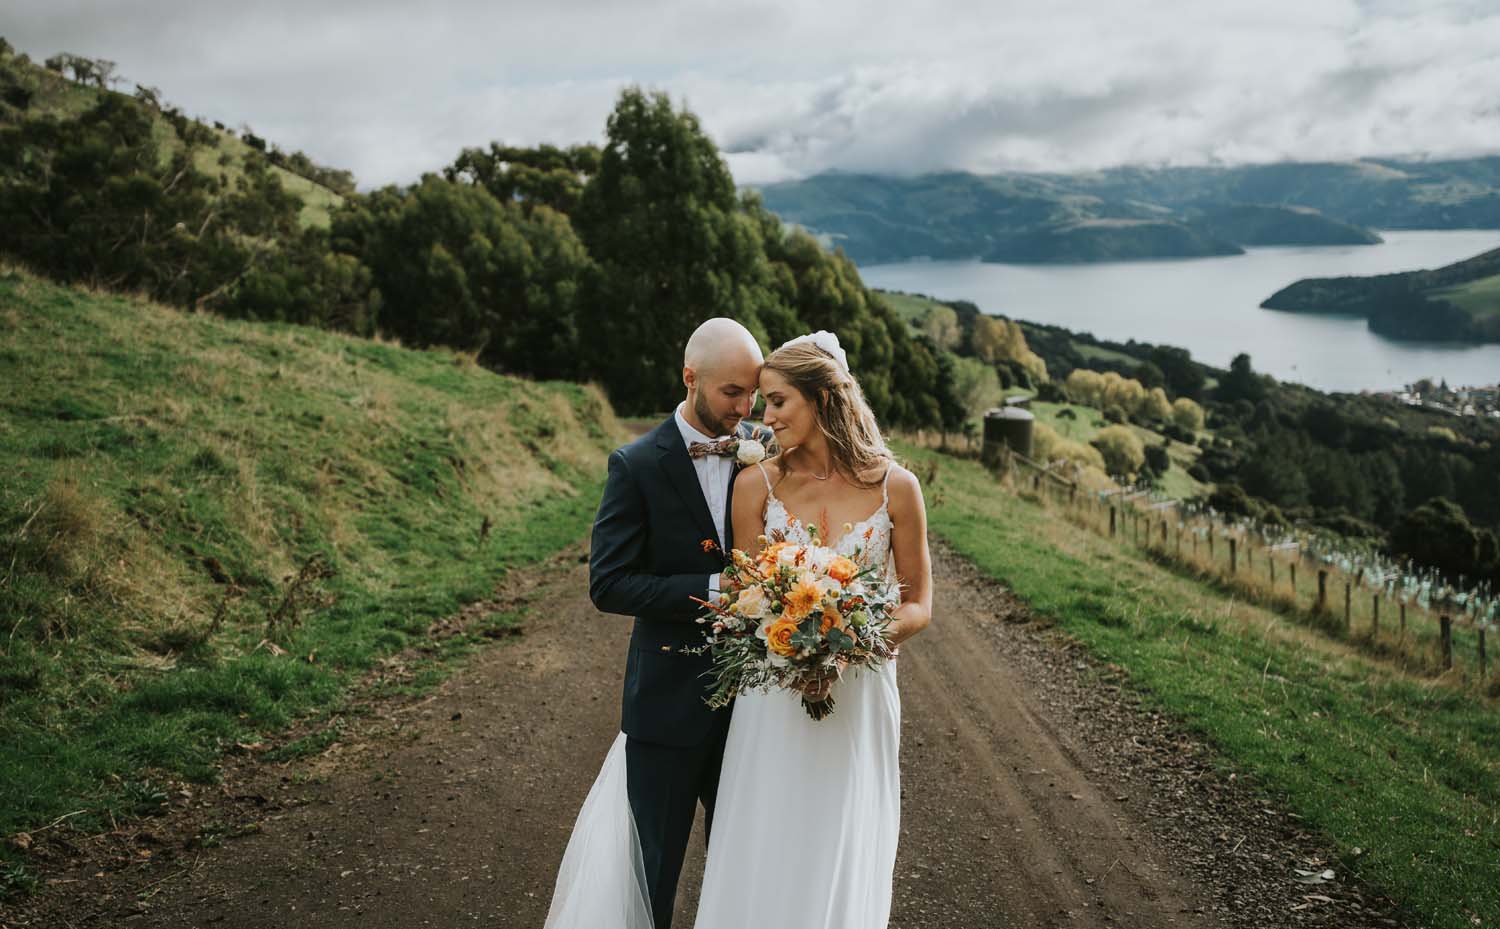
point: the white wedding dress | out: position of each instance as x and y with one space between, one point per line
808 812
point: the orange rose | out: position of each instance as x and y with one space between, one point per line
779 637
801 599
842 569
831 618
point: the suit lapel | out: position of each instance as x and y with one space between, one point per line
683 477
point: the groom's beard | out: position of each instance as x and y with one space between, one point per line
706 416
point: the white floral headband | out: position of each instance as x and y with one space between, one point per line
825 340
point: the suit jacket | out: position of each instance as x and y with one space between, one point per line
647 560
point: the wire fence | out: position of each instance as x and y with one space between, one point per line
1391 608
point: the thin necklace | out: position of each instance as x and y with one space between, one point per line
821 477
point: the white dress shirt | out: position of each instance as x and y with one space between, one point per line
714 472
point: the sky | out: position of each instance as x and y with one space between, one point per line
788 89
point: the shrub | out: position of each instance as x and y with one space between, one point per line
1123 453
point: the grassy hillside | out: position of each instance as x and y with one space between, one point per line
1402 774
208 527
58 96
1457 302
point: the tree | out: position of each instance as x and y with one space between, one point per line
1241 383
660 219
542 176
92 199
454 266
1155 406
1123 452
1438 534
976 386
998 340
1158 460
1184 377
1187 414
940 324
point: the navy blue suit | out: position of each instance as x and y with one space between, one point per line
647 560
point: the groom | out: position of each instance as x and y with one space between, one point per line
659 540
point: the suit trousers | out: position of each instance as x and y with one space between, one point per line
666 784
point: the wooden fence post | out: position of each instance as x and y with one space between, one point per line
1210 544
1402 637
1233 548
1347 595
1164 532
1322 603
1446 625
1111 521
1249 558
1375 614
1483 664
1271 560
1293 567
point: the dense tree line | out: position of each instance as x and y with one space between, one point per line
1362 466
585 263
596 262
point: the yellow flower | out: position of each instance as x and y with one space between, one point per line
801 599
779 637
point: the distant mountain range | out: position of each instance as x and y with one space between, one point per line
1126 213
1458 302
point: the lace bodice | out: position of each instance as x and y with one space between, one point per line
870 537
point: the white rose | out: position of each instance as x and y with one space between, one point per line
752 602
750 452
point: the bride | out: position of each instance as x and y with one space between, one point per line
808 812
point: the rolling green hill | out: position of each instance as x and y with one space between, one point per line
1136 212
1458 302
48 93
208 527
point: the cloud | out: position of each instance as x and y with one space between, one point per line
789 89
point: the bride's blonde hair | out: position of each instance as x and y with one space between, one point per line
839 408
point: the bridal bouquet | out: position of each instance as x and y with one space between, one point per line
796 614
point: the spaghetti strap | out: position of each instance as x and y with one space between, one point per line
885 494
764 476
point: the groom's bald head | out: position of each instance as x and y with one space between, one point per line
720 368
721 342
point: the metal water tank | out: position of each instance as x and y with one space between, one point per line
1010 427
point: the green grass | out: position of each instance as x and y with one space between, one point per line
1089 421
1406 770
154 458
909 307
1100 353
1479 297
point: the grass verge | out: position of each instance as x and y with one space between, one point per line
1402 775
209 528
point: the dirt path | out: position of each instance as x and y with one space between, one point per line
1034 796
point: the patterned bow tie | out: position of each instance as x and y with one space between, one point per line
724 448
